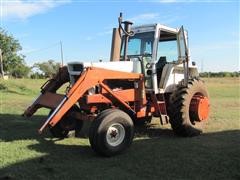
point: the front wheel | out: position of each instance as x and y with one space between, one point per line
189 108
111 132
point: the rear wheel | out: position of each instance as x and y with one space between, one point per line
66 124
189 108
111 132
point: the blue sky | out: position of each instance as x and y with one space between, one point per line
84 27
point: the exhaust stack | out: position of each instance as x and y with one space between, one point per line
116 45
118 42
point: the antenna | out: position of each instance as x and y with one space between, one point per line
61 52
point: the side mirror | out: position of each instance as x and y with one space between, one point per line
193 63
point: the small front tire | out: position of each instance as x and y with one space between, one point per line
111 132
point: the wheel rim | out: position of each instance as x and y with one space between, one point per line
115 134
199 108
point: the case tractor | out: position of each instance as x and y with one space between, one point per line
149 75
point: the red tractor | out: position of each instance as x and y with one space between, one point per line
149 74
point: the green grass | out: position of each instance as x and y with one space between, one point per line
155 153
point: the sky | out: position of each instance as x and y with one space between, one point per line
84 27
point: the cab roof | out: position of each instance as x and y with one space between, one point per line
153 27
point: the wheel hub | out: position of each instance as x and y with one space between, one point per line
115 134
199 108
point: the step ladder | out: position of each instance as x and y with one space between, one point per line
160 107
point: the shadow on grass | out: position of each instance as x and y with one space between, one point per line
161 156
16 127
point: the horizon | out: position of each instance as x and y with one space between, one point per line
213 28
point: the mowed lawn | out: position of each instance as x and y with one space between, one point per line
156 153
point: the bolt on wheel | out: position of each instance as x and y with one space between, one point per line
115 134
111 132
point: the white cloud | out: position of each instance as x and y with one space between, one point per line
144 17
20 9
183 1
28 50
22 35
105 32
192 1
99 34
219 46
89 38
153 18
167 1
216 56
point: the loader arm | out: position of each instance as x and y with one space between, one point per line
91 77
48 97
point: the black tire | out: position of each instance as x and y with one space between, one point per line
105 122
58 132
179 113
93 129
66 124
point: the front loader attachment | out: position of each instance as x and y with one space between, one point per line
91 77
48 97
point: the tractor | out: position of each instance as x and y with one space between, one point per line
149 75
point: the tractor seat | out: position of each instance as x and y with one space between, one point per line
161 62
159 66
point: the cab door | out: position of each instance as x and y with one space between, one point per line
183 52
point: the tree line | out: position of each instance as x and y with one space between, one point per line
220 74
12 62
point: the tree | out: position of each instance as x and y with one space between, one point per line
49 68
12 61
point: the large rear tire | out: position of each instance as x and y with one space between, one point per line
111 132
185 104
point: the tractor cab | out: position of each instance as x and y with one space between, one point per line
162 52
158 48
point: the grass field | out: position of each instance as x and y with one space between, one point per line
155 154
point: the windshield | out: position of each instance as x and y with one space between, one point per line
140 44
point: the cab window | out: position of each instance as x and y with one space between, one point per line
140 44
167 47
